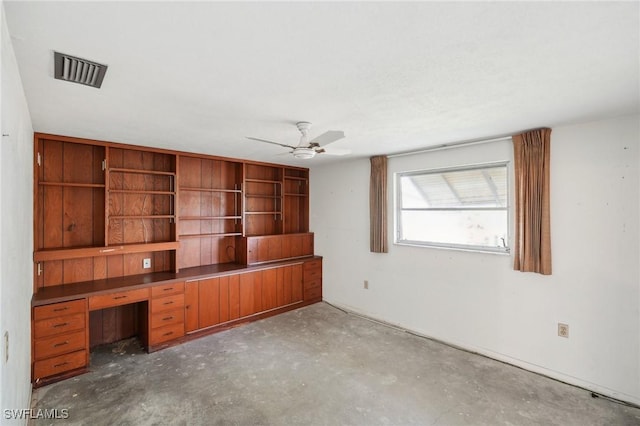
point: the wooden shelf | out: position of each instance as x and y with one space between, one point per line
233 191
73 185
263 181
296 178
221 234
209 217
292 194
142 172
263 213
76 253
150 216
262 196
141 191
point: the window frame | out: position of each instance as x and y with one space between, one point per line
397 209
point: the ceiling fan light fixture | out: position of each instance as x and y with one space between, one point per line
304 153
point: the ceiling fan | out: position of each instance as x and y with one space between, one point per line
308 149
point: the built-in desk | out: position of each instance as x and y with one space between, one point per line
174 307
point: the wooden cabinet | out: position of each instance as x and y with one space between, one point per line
313 280
101 209
210 210
269 248
262 200
296 201
167 313
59 338
214 301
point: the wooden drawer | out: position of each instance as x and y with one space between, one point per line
59 309
312 274
162 319
59 364
57 345
168 303
312 293
167 289
313 264
58 325
117 299
308 285
164 334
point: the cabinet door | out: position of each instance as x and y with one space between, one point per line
246 294
296 283
288 284
209 302
224 299
191 306
269 282
234 297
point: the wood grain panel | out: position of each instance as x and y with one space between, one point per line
280 286
99 267
189 253
246 294
191 306
269 282
115 266
77 270
257 291
52 273
78 163
234 297
288 285
53 218
224 299
190 172
296 283
77 217
209 302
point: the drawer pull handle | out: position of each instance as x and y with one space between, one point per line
57 345
167 318
167 289
168 334
61 325
168 303
119 297
61 309
60 365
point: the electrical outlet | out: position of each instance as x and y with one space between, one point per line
146 263
563 330
366 285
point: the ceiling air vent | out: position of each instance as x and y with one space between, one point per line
77 70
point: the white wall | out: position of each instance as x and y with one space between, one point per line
16 235
476 300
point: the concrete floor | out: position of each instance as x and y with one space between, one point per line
317 365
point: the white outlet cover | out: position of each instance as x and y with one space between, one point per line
146 263
563 330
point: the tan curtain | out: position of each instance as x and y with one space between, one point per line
378 204
532 248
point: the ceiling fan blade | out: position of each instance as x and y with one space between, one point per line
271 142
334 151
328 137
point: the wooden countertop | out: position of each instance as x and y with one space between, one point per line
63 293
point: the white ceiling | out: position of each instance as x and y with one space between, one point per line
394 76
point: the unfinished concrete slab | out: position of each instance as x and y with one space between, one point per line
317 366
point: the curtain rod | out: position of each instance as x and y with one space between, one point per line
449 146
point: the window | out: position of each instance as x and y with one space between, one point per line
464 208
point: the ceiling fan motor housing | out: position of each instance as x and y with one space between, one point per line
304 153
